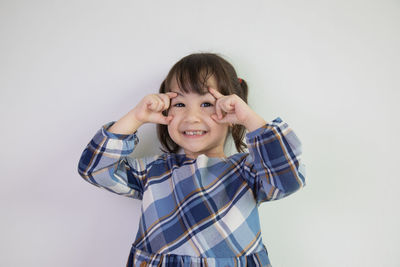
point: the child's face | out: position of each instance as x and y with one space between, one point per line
192 127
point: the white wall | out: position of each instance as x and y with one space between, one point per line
328 68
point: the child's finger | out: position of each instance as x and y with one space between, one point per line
230 105
218 110
172 94
152 106
215 93
156 104
165 120
159 104
166 100
226 105
216 119
150 103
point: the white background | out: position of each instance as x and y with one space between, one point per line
330 69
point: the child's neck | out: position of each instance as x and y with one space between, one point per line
209 155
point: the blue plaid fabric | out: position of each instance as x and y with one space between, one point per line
198 212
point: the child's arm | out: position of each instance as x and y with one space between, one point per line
104 161
273 168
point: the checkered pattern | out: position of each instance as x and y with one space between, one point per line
198 212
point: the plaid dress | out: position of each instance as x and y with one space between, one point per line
198 212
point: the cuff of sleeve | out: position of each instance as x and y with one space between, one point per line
274 123
113 144
124 137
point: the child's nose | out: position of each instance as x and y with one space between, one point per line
192 115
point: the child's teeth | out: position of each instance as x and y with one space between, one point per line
194 133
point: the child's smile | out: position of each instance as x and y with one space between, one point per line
194 133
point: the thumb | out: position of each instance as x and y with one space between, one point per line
166 119
222 120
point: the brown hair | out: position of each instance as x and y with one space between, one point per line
192 73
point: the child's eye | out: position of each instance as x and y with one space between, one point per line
206 104
179 105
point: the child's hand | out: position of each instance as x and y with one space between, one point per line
232 109
150 108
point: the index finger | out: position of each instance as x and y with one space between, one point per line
171 94
215 93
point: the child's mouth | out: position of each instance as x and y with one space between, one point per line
194 133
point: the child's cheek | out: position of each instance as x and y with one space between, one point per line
209 111
175 115
176 112
171 111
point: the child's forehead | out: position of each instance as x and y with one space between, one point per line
174 85
191 94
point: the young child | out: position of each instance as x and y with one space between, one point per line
199 207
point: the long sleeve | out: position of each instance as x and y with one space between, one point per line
273 168
105 163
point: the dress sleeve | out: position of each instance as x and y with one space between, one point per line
105 163
273 168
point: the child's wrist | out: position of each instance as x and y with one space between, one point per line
134 120
254 122
128 124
